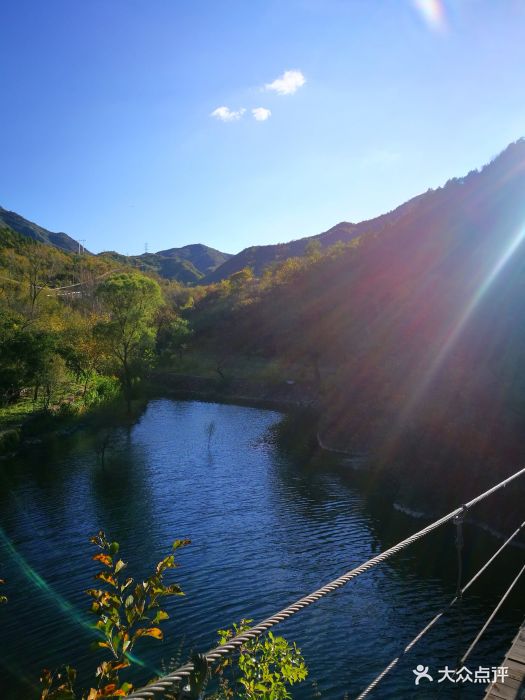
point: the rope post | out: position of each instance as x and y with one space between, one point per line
458 521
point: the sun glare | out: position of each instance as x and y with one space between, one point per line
433 13
459 324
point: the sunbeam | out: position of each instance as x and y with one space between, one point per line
457 328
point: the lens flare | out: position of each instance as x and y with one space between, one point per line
55 598
36 580
433 13
458 326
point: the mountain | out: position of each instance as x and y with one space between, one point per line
189 264
259 257
415 336
27 228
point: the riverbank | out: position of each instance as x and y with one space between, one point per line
40 426
421 485
418 479
279 394
65 407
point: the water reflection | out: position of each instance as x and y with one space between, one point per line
265 529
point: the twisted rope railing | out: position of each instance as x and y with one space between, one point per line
172 680
408 648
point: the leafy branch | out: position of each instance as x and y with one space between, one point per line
262 668
267 667
126 611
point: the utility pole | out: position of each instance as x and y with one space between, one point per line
81 249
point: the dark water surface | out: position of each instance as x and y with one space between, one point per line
265 530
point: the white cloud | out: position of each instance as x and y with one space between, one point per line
225 114
289 82
261 114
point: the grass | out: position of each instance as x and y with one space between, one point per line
16 414
67 401
258 369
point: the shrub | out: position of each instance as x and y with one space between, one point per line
9 440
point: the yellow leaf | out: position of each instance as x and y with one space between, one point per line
150 632
103 559
122 664
108 578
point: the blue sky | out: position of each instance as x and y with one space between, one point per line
108 133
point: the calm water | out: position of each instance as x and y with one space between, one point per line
264 529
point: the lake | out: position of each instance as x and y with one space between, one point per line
266 528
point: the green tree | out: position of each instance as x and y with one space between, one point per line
313 249
264 669
173 334
130 302
239 279
82 350
27 358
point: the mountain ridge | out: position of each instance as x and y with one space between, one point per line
58 239
196 263
188 264
259 257
413 338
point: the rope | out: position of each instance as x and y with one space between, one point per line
172 679
8 279
439 615
492 616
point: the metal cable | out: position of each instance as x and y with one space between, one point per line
437 617
67 286
492 616
80 284
489 562
169 681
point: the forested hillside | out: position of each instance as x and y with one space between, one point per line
75 329
9 219
258 258
414 335
189 264
262 256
